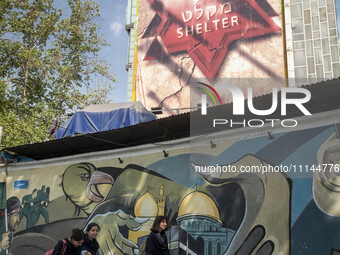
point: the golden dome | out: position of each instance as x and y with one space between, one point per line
146 206
198 203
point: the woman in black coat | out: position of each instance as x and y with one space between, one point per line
156 243
90 243
73 245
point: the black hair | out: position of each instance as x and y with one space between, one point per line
12 204
91 225
77 234
157 222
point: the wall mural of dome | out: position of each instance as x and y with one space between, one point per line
199 216
146 206
198 203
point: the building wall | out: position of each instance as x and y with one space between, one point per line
131 23
287 211
312 41
166 73
307 52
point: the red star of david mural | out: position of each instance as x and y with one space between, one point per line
206 28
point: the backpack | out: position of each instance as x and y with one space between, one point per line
62 250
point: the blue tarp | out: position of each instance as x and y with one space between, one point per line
10 158
97 118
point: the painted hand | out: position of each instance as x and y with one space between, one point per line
110 239
5 241
326 178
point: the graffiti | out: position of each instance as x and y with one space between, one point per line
111 240
259 190
182 42
138 213
321 216
34 205
85 186
185 26
12 219
216 212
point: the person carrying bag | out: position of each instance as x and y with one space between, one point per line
70 246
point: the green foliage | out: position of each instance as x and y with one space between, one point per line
49 59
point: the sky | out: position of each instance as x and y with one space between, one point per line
113 20
112 23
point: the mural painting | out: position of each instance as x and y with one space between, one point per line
240 211
34 205
180 42
9 218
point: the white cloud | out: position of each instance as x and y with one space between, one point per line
116 28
